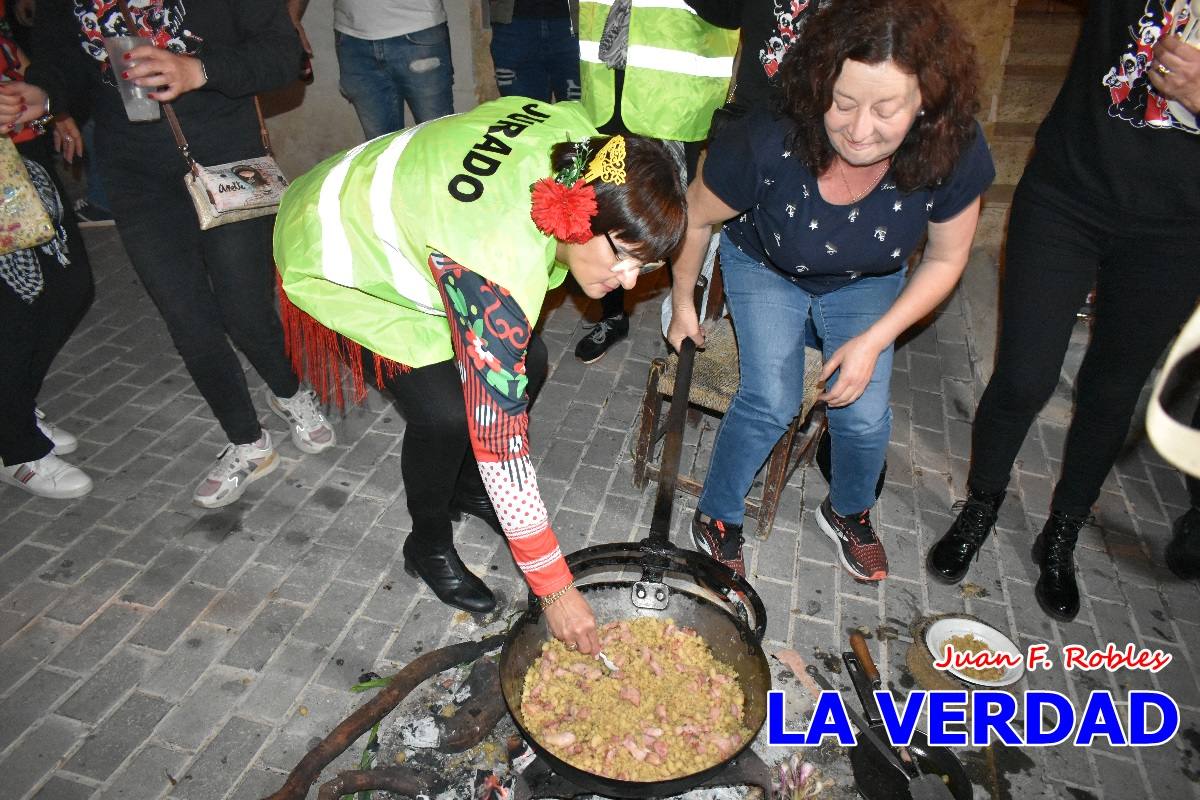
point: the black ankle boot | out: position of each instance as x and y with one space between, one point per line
445 573
950 557
1183 552
1054 551
480 507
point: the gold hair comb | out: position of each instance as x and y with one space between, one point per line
609 163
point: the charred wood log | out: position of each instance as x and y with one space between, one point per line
397 780
348 730
476 717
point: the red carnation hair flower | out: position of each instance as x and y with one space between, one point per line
564 212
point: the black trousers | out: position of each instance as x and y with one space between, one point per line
436 459
211 286
34 333
1146 288
613 303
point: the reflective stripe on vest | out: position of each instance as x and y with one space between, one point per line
336 257
669 92
660 58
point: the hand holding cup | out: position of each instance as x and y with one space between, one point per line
167 74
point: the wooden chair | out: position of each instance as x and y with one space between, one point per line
715 379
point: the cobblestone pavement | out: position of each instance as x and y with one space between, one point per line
149 649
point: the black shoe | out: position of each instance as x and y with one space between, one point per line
1183 552
950 557
1054 551
603 335
450 580
90 215
480 507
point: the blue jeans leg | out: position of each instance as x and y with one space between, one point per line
96 196
536 57
858 432
379 76
769 315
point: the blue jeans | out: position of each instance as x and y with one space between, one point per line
773 319
96 196
379 76
537 57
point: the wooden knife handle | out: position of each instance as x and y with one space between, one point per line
858 643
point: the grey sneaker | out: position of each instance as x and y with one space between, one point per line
90 215
238 466
311 432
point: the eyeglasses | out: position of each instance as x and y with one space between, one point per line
621 256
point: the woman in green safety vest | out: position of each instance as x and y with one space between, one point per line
429 252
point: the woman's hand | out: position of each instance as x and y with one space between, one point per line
1181 62
571 620
67 138
684 324
169 74
20 102
855 363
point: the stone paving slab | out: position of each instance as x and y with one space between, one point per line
149 649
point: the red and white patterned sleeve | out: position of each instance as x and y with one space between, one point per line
491 334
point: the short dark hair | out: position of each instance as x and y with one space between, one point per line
921 37
648 210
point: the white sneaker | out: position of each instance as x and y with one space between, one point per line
64 441
238 466
311 432
49 476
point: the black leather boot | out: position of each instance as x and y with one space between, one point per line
1183 552
1054 551
476 506
444 572
950 557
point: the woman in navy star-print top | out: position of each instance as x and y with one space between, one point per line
822 203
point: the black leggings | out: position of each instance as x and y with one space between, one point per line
436 457
35 332
1145 290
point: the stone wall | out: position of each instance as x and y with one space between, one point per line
989 23
310 123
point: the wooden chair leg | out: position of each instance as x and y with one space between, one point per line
775 479
651 407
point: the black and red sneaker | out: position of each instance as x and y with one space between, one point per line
860 549
721 540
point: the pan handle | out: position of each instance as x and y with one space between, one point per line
668 469
735 591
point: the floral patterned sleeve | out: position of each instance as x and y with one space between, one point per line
490 335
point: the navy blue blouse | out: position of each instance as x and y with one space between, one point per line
820 246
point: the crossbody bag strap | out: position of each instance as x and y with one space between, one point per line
262 127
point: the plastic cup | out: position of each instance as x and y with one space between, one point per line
139 107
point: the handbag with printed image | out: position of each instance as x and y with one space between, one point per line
24 222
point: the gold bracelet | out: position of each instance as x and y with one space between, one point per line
553 598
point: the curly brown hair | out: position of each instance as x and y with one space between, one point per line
648 211
921 37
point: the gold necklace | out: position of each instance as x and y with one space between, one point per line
854 198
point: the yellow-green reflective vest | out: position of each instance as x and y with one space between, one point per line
677 71
354 233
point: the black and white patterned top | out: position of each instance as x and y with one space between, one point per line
787 225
